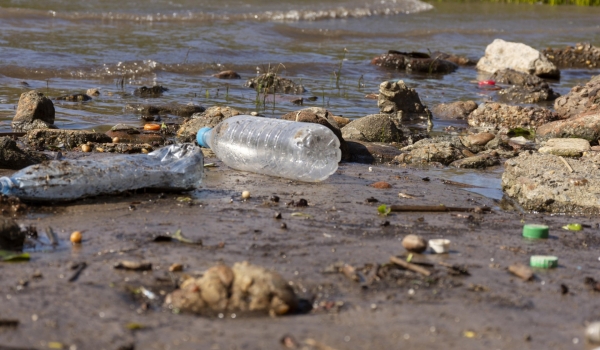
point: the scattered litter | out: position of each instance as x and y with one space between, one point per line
439 245
522 271
133 265
544 261
410 266
177 236
573 227
9 256
535 231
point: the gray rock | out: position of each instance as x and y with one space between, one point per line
566 147
12 157
478 161
584 126
43 138
398 99
371 152
34 111
432 150
11 237
209 118
176 109
375 128
583 55
74 98
580 99
155 91
501 54
526 88
497 115
543 182
416 62
454 110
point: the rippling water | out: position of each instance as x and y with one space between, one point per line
63 47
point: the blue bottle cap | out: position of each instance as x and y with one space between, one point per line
200 137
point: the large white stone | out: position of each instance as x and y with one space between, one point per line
502 54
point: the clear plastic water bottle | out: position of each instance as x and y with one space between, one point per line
175 167
295 150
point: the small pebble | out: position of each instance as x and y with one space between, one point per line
76 237
245 194
283 226
414 243
86 148
176 268
116 140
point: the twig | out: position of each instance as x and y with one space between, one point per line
78 268
436 208
567 164
410 266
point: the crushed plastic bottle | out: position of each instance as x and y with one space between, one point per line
175 167
295 150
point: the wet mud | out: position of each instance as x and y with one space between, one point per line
329 242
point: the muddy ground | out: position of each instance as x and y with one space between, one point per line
102 307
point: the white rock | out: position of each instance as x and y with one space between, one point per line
502 54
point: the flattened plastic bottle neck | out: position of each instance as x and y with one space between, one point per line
6 186
203 137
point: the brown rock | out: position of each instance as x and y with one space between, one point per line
376 128
209 118
580 99
398 99
414 243
497 115
585 126
227 74
12 157
371 152
480 139
583 55
454 110
381 185
64 138
33 111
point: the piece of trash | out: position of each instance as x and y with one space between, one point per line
404 195
132 326
8 322
184 199
175 167
522 271
210 165
535 231
543 261
300 214
469 334
486 82
592 332
383 210
296 142
148 293
9 256
177 236
455 269
133 265
573 227
436 208
439 245
410 266
414 243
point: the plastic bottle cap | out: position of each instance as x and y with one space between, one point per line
544 261
200 137
535 231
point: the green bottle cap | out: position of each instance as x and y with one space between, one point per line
535 231
544 261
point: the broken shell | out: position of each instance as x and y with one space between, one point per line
86 148
439 246
414 243
245 194
76 237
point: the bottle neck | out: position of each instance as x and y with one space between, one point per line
203 137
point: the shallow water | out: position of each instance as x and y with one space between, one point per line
60 47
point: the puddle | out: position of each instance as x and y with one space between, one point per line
485 182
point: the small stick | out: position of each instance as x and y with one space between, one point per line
78 269
436 208
409 266
567 164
